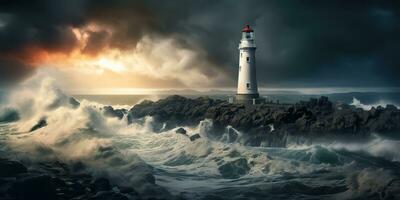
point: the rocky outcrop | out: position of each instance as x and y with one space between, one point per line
181 131
40 124
109 111
316 117
194 137
74 103
54 180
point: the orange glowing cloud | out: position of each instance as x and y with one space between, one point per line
153 62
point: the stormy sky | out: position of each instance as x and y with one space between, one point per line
300 43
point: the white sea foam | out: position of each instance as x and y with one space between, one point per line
357 103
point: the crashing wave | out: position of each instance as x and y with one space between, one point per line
357 103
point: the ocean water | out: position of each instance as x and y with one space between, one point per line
200 169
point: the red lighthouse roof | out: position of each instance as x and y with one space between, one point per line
247 29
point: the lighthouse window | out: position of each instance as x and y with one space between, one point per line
248 59
248 85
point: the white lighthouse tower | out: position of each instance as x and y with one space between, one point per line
247 90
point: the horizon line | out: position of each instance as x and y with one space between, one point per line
228 90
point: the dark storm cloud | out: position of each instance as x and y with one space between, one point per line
308 43
39 25
300 43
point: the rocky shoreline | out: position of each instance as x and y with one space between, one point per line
269 124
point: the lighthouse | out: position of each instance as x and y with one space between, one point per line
247 89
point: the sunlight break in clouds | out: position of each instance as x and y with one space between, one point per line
154 61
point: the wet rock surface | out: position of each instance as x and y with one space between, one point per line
109 111
181 131
58 181
40 124
194 137
271 124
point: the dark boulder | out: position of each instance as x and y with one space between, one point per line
181 131
40 124
194 137
109 111
73 102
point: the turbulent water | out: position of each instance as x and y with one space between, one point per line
200 169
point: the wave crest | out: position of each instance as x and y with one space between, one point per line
357 103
